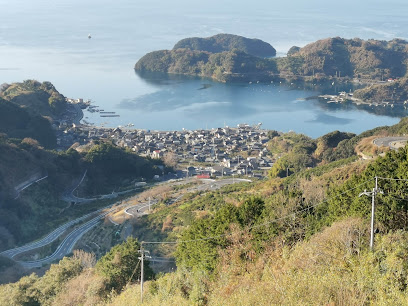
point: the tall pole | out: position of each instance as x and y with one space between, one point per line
149 203
372 194
372 213
141 272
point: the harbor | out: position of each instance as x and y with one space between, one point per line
344 97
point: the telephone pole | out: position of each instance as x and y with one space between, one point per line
373 193
142 256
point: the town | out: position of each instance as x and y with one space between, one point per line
223 151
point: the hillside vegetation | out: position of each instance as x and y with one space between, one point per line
225 66
26 137
27 109
301 239
40 208
38 98
227 42
354 58
388 92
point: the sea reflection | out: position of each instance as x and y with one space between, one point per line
171 102
329 119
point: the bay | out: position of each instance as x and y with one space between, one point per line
48 40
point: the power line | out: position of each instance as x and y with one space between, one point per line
160 260
397 198
133 273
392 179
255 226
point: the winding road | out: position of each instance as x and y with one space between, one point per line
394 142
46 240
68 244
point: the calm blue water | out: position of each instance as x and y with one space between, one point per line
47 40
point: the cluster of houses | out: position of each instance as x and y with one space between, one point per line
226 151
229 151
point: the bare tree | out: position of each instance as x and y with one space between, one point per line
170 159
88 260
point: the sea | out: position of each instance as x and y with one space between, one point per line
48 40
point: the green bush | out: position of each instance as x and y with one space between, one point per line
121 265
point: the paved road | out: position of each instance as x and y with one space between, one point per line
392 142
72 238
140 208
67 244
70 197
35 178
46 240
208 184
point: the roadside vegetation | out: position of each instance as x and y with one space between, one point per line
300 239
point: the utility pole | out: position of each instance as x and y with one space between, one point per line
373 193
142 256
149 203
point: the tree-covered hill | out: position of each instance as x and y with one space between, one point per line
19 122
226 66
36 97
339 57
396 91
27 109
227 42
324 59
29 214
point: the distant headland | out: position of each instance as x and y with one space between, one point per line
381 66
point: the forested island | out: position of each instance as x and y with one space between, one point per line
367 62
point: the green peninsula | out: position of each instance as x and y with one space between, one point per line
327 60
